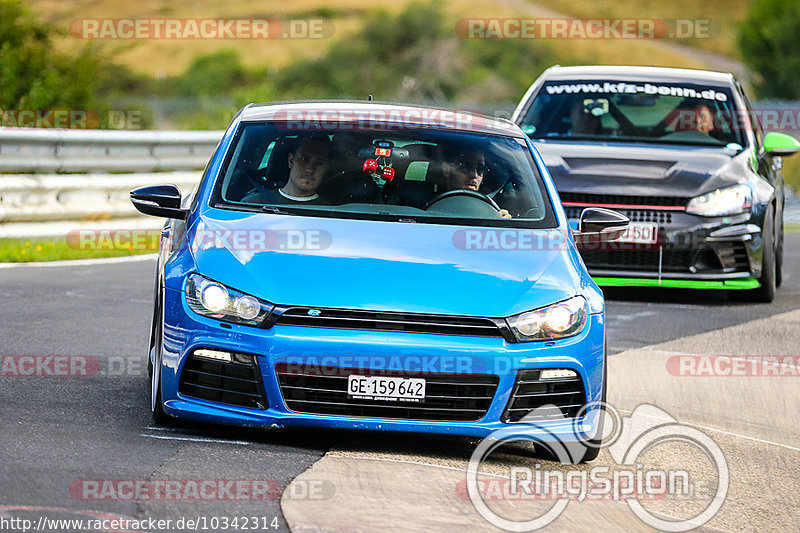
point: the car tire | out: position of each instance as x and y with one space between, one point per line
766 292
779 258
160 417
591 451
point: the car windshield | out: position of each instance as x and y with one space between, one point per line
681 113
423 175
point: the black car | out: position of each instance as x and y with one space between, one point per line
680 153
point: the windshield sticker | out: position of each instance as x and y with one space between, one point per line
632 88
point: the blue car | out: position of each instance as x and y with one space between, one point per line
377 267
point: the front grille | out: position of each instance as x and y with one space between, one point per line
620 199
386 321
550 399
448 397
644 260
635 215
217 381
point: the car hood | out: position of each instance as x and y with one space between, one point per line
386 266
641 170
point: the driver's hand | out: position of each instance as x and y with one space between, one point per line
504 213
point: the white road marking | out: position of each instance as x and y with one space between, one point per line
196 439
722 431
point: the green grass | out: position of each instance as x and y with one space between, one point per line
62 248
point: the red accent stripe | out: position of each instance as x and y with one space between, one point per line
626 206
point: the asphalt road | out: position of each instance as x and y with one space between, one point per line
59 432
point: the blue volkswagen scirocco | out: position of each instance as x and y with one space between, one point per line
376 267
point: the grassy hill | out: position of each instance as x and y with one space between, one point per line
162 58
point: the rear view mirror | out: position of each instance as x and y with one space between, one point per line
600 225
159 201
780 144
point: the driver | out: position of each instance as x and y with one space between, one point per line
692 116
463 168
308 164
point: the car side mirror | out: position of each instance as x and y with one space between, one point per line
159 201
780 144
600 225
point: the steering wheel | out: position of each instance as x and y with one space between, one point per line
463 192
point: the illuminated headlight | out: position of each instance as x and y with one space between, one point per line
214 300
728 201
557 321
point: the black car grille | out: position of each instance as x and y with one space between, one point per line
218 381
448 397
388 321
550 398
619 199
644 260
635 215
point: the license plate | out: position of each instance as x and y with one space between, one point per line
386 388
640 233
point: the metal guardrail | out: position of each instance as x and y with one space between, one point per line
24 150
52 197
86 175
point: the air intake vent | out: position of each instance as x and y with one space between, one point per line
234 383
563 397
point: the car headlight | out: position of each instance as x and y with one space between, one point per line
728 201
556 321
214 300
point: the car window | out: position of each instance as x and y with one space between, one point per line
635 112
422 175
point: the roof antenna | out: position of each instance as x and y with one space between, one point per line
370 98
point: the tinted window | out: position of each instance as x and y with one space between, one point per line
394 174
629 111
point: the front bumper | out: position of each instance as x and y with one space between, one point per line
454 355
691 252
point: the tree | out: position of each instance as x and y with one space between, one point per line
770 46
33 77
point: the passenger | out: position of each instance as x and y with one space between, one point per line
308 164
464 168
583 122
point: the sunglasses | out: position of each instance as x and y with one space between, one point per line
468 167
